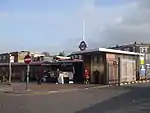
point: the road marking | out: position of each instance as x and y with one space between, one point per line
52 91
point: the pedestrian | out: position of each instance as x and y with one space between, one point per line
57 75
86 75
96 76
39 78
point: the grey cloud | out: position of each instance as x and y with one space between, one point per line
144 4
108 26
134 27
124 35
137 18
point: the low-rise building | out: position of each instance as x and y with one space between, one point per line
107 63
18 56
18 66
143 48
4 58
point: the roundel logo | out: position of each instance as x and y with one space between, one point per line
82 45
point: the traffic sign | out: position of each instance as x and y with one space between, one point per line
27 59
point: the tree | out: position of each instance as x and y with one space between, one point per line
46 54
61 53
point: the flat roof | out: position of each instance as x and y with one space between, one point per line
105 50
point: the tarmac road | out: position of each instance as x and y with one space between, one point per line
125 99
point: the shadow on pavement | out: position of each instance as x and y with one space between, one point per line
137 100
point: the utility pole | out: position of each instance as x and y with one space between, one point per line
10 69
28 71
83 30
145 65
119 72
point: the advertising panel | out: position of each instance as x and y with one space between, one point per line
21 56
142 60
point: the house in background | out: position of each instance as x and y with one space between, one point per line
4 58
134 47
17 63
143 48
18 56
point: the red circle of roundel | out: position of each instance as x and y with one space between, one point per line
27 59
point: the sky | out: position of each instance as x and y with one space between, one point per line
56 25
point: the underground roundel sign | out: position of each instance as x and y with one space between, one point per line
82 45
27 59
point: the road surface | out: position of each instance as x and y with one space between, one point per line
125 99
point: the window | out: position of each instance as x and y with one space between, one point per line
131 49
76 56
146 49
80 57
140 50
143 49
72 57
0 57
4 57
134 49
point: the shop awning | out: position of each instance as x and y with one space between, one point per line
23 64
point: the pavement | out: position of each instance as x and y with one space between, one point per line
133 98
33 88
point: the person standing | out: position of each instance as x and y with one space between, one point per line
96 76
39 79
86 75
39 76
57 75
